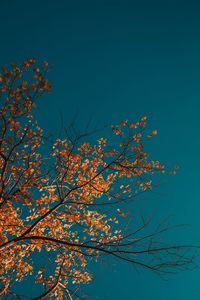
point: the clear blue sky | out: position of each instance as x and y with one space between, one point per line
114 60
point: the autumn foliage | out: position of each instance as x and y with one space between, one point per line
71 204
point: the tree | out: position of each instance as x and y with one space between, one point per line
56 205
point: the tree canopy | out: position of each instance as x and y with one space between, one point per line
70 205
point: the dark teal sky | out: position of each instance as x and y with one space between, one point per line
122 59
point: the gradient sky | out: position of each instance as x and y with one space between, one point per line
113 60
